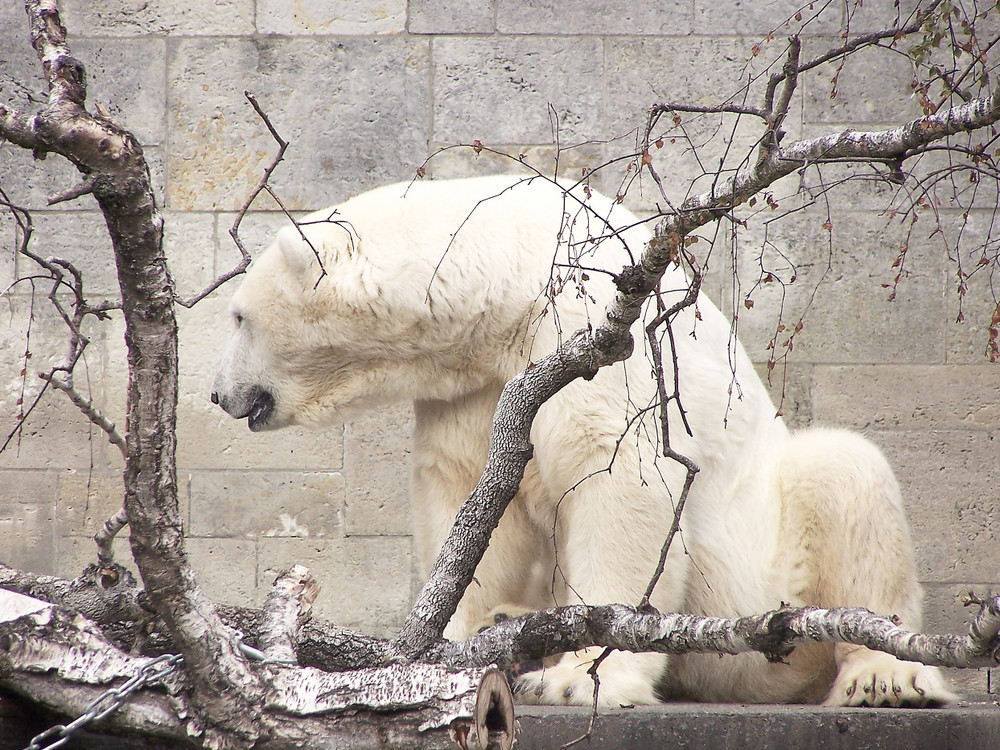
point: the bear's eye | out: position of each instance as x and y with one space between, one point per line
238 318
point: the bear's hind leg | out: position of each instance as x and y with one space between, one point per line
842 505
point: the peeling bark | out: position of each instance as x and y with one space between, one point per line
539 634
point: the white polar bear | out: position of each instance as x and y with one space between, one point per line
439 292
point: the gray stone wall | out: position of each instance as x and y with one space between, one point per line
366 91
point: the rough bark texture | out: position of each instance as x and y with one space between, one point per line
532 636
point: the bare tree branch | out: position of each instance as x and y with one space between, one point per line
539 634
287 605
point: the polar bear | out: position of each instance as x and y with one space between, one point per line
439 292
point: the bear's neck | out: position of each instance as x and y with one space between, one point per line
439 425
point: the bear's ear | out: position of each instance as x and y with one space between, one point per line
298 255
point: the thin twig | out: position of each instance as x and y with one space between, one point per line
89 410
107 534
244 261
83 188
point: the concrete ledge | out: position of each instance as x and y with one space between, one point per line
695 726
973 724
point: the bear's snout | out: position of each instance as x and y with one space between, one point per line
255 404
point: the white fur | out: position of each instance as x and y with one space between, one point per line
437 293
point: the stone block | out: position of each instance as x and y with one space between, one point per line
695 71
80 237
944 607
226 569
77 552
873 86
365 580
945 613
698 71
10 236
377 463
948 484
88 498
662 17
904 397
139 18
506 90
27 520
369 129
189 242
55 434
968 317
570 163
758 20
790 387
317 17
266 504
134 95
22 84
451 16
838 283
969 683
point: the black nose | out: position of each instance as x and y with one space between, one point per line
215 397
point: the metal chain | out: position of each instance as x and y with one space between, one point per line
108 702
114 698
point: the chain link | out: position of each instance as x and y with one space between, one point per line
108 702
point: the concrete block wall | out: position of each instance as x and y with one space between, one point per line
366 91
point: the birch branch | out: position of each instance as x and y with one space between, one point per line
538 634
773 634
287 605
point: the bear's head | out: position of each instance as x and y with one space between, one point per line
275 342
379 321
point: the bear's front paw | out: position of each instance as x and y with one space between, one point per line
872 678
623 682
